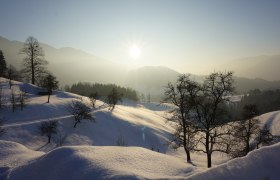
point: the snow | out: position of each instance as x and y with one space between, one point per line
138 125
90 150
13 154
272 120
88 162
259 164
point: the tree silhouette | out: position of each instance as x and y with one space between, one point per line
48 128
181 95
80 111
245 130
3 64
113 98
210 114
34 62
50 83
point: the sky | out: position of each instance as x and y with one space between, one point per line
186 35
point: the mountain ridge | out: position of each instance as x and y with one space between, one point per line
72 65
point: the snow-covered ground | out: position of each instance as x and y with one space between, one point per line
99 162
90 150
259 164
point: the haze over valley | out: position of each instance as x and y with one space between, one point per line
181 89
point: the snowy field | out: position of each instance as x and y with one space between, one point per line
89 150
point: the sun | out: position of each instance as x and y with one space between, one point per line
135 51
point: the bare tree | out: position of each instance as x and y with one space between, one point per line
210 113
181 95
34 62
50 83
12 74
113 98
22 98
246 130
61 138
264 137
1 97
13 100
121 140
80 111
48 129
93 97
2 130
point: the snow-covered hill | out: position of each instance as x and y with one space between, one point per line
90 150
141 125
94 162
259 164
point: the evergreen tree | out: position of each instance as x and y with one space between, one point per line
3 64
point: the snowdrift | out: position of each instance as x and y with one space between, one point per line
259 164
89 162
13 154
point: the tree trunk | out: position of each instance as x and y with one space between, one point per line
49 139
188 156
209 160
76 122
207 147
32 67
49 98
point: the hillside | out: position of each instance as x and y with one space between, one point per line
87 162
258 164
90 148
151 80
91 68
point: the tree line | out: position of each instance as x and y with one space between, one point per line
103 90
267 101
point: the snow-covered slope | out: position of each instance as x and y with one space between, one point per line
137 124
13 154
91 162
140 126
259 164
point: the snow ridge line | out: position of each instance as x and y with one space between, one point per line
36 121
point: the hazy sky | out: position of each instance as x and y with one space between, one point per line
189 36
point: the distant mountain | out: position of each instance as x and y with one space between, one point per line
73 65
263 67
68 64
243 85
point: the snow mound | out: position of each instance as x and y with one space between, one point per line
259 164
13 154
90 162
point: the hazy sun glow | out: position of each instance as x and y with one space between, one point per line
135 51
